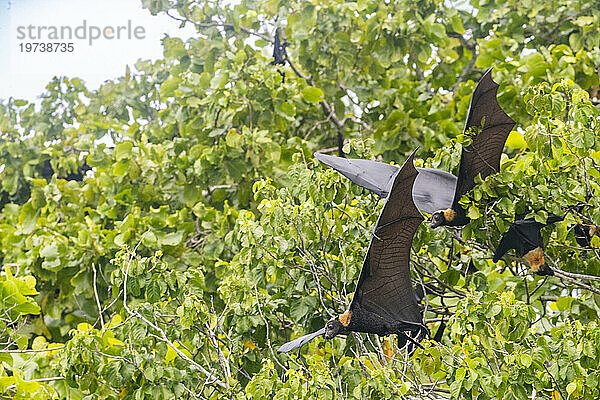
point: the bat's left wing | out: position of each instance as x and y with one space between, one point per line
433 190
510 240
482 156
384 286
371 175
299 342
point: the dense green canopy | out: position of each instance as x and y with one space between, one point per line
173 262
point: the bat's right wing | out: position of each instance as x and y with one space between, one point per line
482 156
299 342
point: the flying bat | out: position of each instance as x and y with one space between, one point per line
482 156
433 189
384 301
524 236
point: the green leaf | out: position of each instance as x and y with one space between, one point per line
234 139
438 30
455 388
516 140
584 20
170 239
474 212
457 24
312 94
169 86
50 251
153 292
123 150
525 360
564 303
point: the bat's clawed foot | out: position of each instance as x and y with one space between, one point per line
404 339
544 270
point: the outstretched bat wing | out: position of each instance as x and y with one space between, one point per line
433 189
482 156
299 342
384 286
371 175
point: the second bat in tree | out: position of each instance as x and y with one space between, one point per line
525 237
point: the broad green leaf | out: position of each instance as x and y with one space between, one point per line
312 94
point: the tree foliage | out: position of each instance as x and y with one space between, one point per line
162 235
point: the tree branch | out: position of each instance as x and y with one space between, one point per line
200 25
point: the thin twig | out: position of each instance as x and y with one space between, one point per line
32 350
267 327
222 25
97 298
163 335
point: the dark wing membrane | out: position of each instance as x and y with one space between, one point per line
482 156
582 235
384 286
529 231
299 342
433 190
372 175
523 235
507 242
552 219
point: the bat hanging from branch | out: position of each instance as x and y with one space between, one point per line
384 301
279 53
525 237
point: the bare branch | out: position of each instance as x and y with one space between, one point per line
32 350
97 298
222 25
163 336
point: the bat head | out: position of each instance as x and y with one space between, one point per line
438 218
537 263
332 328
